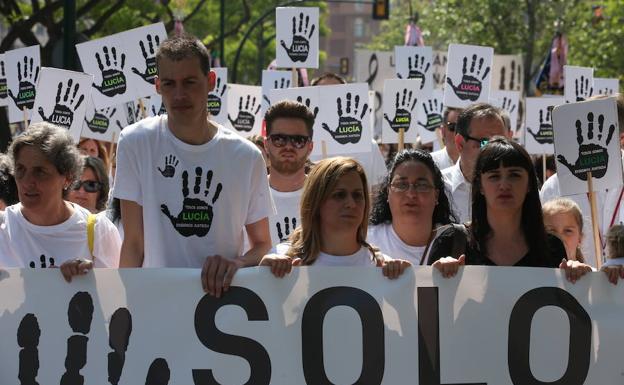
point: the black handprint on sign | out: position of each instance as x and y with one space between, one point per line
171 162
300 45
582 89
215 98
28 333
417 70
80 315
434 115
544 134
161 111
196 215
470 86
307 102
3 82
604 91
284 83
349 128
501 86
592 157
101 120
113 78
289 226
246 117
63 112
43 264
508 105
403 111
27 78
149 55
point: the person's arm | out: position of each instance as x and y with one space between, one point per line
259 240
132 247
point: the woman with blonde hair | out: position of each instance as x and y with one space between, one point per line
563 217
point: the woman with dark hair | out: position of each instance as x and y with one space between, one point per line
507 227
411 208
91 190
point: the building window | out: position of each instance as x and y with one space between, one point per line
358 27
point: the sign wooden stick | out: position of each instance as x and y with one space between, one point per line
440 138
401 139
295 78
323 149
543 168
594 217
142 108
25 118
110 155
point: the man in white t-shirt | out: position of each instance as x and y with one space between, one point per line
447 156
189 187
475 126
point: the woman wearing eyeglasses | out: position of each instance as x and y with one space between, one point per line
43 229
410 209
91 190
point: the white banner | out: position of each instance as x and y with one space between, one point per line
488 325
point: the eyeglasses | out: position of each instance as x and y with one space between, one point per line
90 186
451 126
482 142
420 187
297 141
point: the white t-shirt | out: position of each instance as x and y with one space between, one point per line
283 223
442 159
196 199
362 257
387 240
24 244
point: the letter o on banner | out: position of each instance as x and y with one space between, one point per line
520 336
373 352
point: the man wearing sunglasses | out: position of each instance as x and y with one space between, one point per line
288 145
475 126
447 156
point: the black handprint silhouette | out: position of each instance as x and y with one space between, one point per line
403 111
434 115
284 83
101 120
544 135
289 226
246 117
28 333
508 105
120 328
3 82
161 111
605 91
417 70
171 162
113 78
196 215
470 86
582 88
307 102
149 55
514 77
63 111
300 45
215 97
592 157
349 128
43 264
80 315
27 78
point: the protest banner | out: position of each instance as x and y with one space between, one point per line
602 86
508 73
217 98
4 89
579 83
509 102
415 63
399 124
297 37
22 74
430 115
488 325
243 109
141 45
468 74
272 80
539 136
440 59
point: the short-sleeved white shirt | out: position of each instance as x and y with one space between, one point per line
459 192
386 239
362 257
442 159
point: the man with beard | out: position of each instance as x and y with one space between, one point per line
288 144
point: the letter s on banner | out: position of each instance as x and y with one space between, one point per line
215 340
519 348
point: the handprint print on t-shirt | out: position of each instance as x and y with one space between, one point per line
215 98
27 78
246 116
417 70
544 135
300 45
582 88
433 113
307 103
470 86
171 162
3 82
288 227
63 111
149 54
196 215
101 120
42 262
113 78
349 128
592 157
403 111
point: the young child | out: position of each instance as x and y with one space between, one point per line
614 266
563 217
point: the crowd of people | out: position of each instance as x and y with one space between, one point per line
183 191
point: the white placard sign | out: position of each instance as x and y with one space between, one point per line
440 59
508 73
539 138
243 109
106 124
297 37
22 73
272 80
141 45
4 89
430 114
402 97
218 97
415 63
468 74
587 140
602 86
345 125
154 105
62 98
579 83
508 101
106 59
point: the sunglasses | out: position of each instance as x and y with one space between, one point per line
482 142
297 141
90 186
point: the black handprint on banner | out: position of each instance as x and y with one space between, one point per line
28 333
582 89
101 120
403 111
417 70
3 82
43 264
349 128
196 215
80 315
161 111
289 226
434 115
27 78
470 86
63 111
592 157
120 328
544 134
300 45
307 103
149 55
284 83
246 116
113 78
171 162
215 98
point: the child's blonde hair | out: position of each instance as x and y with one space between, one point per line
566 206
615 242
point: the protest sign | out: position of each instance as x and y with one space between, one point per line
106 124
509 102
539 136
297 37
579 83
602 86
430 113
4 90
415 63
243 109
62 98
154 105
440 59
22 74
508 73
271 80
468 74
141 45
400 116
311 98
218 97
